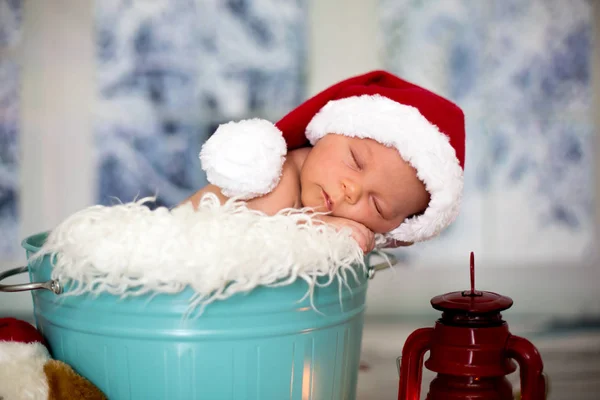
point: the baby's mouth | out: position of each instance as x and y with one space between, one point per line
328 202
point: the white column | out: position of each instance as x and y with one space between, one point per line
57 168
57 91
596 103
343 40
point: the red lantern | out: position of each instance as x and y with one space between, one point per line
471 350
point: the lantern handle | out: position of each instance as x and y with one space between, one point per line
411 364
533 380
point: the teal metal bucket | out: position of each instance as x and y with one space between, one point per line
263 345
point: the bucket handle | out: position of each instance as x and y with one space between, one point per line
52 285
373 269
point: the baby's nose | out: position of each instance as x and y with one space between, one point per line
352 191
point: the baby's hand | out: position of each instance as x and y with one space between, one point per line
363 235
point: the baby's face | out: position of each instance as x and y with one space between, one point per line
361 180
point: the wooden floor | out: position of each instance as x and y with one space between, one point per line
571 361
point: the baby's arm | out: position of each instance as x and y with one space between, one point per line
285 195
363 235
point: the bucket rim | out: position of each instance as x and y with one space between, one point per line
34 242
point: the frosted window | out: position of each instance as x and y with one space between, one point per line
10 25
11 15
521 70
170 72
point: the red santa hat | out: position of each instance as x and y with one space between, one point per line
245 159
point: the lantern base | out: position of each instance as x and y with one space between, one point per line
446 387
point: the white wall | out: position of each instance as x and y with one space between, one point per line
58 164
342 41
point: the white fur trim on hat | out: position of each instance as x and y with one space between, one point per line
244 159
418 141
22 371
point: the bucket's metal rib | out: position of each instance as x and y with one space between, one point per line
373 269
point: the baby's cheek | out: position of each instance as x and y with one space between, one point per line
357 214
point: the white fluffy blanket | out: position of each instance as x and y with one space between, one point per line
218 250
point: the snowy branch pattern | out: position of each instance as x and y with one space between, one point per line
170 72
10 32
521 70
11 16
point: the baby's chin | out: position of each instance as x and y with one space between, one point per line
313 205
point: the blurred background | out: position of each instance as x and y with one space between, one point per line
112 99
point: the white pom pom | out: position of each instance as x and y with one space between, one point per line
244 159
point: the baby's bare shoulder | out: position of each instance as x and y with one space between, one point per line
285 195
297 156
290 179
